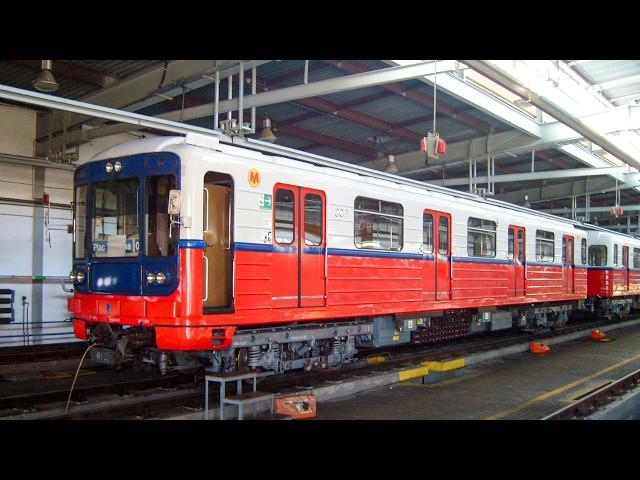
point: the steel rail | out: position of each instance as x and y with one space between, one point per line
596 399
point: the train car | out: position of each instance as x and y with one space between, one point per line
613 272
188 249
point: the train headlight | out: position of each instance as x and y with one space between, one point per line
80 277
73 276
161 278
109 167
117 167
151 278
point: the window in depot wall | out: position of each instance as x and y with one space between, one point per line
597 255
80 249
115 218
545 250
158 242
378 224
481 238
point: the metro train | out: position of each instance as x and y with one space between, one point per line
187 250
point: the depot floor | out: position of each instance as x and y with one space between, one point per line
521 386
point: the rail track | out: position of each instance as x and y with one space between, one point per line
39 353
127 393
590 403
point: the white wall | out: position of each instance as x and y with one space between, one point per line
17 130
17 136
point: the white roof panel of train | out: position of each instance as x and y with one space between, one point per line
157 144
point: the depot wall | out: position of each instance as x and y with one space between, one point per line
17 247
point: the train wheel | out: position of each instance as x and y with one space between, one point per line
241 360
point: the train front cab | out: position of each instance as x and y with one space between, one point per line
130 269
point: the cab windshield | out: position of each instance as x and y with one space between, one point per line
115 218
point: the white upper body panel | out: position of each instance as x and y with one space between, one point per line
253 224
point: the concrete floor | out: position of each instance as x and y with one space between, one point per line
521 386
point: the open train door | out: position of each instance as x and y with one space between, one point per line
517 244
567 264
625 266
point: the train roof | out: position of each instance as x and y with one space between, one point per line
232 145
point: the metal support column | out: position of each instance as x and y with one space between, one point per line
37 252
533 161
216 101
241 99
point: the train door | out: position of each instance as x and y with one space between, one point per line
567 264
625 265
284 260
218 232
313 251
299 247
428 256
517 242
443 256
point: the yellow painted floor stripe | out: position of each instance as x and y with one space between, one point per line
374 360
444 382
560 390
444 366
412 373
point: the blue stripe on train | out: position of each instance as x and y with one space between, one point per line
258 247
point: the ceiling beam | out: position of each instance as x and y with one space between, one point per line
530 176
416 96
129 90
326 140
70 71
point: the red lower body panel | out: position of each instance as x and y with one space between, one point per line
357 286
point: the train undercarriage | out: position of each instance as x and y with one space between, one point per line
314 346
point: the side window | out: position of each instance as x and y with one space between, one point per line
615 254
583 251
427 232
597 255
158 242
378 224
312 219
520 246
481 238
510 242
443 236
636 258
284 216
545 246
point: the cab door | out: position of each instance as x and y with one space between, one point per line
517 242
568 264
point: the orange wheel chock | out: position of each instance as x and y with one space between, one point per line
539 347
599 336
